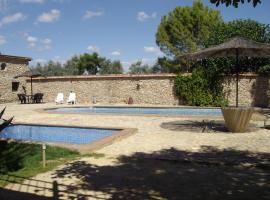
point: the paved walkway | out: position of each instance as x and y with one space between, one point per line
130 171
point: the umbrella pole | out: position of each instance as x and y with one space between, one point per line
31 87
237 76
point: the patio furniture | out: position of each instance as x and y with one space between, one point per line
59 98
38 98
22 98
31 75
72 98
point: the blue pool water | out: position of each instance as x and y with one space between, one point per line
142 110
58 134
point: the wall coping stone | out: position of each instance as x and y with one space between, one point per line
121 76
105 77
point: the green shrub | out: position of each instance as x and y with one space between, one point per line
265 70
200 89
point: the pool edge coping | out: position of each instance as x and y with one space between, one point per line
121 133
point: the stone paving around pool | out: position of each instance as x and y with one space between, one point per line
153 135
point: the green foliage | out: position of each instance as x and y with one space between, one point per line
114 67
71 67
167 65
265 70
185 29
50 69
249 29
77 65
139 68
200 89
90 62
25 159
235 3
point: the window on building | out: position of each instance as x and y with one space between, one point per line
3 66
15 86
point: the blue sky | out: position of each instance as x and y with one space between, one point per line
117 29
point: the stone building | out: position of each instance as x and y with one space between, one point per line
10 66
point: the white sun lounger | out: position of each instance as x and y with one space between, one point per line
59 98
72 98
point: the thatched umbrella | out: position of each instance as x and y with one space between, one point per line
235 47
29 74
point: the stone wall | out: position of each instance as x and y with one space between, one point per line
13 67
144 89
253 90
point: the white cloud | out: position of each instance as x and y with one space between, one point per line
38 44
47 41
31 1
116 53
49 17
143 16
150 49
46 44
90 14
2 40
93 48
32 41
12 18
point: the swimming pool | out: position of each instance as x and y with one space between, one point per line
55 134
141 110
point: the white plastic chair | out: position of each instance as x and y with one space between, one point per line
59 98
72 98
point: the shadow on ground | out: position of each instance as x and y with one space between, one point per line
167 174
20 188
173 174
204 126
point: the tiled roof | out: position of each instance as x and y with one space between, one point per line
10 58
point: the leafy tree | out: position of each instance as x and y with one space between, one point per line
77 65
205 87
139 68
249 29
50 69
235 3
158 68
71 67
104 67
114 67
167 65
90 62
185 29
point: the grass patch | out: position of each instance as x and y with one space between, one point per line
25 160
